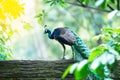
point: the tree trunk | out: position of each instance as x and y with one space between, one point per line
39 69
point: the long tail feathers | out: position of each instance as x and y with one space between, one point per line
81 52
80 49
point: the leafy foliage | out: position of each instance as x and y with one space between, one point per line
98 70
110 51
112 37
9 9
27 26
67 71
80 70
41 16
5 50
104 5
96 52
55 2
104 55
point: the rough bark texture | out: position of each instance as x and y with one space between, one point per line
34 69
40 70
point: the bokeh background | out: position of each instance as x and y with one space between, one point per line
22 36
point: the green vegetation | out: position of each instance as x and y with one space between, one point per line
103 56
9 10
95 21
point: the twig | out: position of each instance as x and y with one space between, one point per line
110 7
85 6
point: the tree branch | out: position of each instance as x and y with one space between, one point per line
85 6
110 7
45 70
41 70
118 4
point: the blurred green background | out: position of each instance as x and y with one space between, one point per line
28 40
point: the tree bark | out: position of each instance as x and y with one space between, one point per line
39 69
34 69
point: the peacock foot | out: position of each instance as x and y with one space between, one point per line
72 58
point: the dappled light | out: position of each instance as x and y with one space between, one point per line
24 25
31 30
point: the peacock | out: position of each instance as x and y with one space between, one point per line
66 36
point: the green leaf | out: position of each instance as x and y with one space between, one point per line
113 1
70 70
117 47
38 15
98 69
117 30
62 3
53 3
48 1
82 70
67 71
112 14
73 68
40 20
86 1
104 5
27 26
3 56
98 65
81 1
99 2
96 52
97 37
108 30
107 58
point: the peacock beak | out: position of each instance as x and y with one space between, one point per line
44 32
45 29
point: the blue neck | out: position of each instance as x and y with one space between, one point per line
50 35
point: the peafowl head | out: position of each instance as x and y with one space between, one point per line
47 31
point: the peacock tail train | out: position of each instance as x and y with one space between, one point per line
81 51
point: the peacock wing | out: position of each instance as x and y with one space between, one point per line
68 35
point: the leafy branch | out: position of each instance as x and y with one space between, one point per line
98 5
9 10
110 7
89 7
102 58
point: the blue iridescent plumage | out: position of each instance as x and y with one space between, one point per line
65 36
